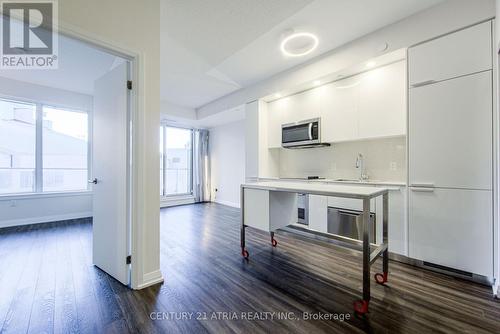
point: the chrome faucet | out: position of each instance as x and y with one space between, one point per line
360 163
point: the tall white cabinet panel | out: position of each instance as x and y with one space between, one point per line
453 228
450 133
464 52
450 151
252 140
382 102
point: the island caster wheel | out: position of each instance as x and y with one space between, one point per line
274 242
361 306
245 254
381 278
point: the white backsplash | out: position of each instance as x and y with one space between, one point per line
384 159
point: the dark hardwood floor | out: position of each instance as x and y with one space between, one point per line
48 284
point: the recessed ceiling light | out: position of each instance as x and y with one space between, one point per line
316 83
277 95
299 44
371 64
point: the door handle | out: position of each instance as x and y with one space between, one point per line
94 181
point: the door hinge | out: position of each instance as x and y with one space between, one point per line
129 84
129 259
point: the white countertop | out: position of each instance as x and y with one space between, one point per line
316 188
336 181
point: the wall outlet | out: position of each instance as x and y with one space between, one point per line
393 166
13 204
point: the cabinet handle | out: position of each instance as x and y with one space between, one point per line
423 83
422 185
423 190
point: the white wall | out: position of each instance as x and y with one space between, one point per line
438 20
41 208
132 26
33 209
227 162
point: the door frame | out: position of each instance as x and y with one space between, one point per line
135 97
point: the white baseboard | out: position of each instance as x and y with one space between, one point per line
228 203
44 219
151 278
166 202
495 287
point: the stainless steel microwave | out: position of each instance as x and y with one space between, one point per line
302 134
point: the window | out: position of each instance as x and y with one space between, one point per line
17 147
176 164
65 149
42 148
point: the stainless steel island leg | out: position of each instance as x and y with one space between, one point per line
385 235
244 252
369 257
361 306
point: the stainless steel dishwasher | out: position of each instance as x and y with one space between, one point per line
348 223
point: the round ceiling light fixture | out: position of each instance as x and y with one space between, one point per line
299 44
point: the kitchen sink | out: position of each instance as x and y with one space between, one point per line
347 180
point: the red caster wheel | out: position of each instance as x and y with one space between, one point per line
245 254
361 306
381 278
274 242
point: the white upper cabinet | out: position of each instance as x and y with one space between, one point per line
466 51
382 102
450 133
275 117
340 115
367 105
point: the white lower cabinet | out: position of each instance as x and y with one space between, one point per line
269 210
452 228
318 213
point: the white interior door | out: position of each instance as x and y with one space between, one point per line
110 170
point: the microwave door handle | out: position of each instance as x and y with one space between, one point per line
310 131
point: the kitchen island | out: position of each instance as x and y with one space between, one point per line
271 205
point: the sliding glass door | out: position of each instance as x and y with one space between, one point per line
176 161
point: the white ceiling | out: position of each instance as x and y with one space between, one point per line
218 119
79 66
212 48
